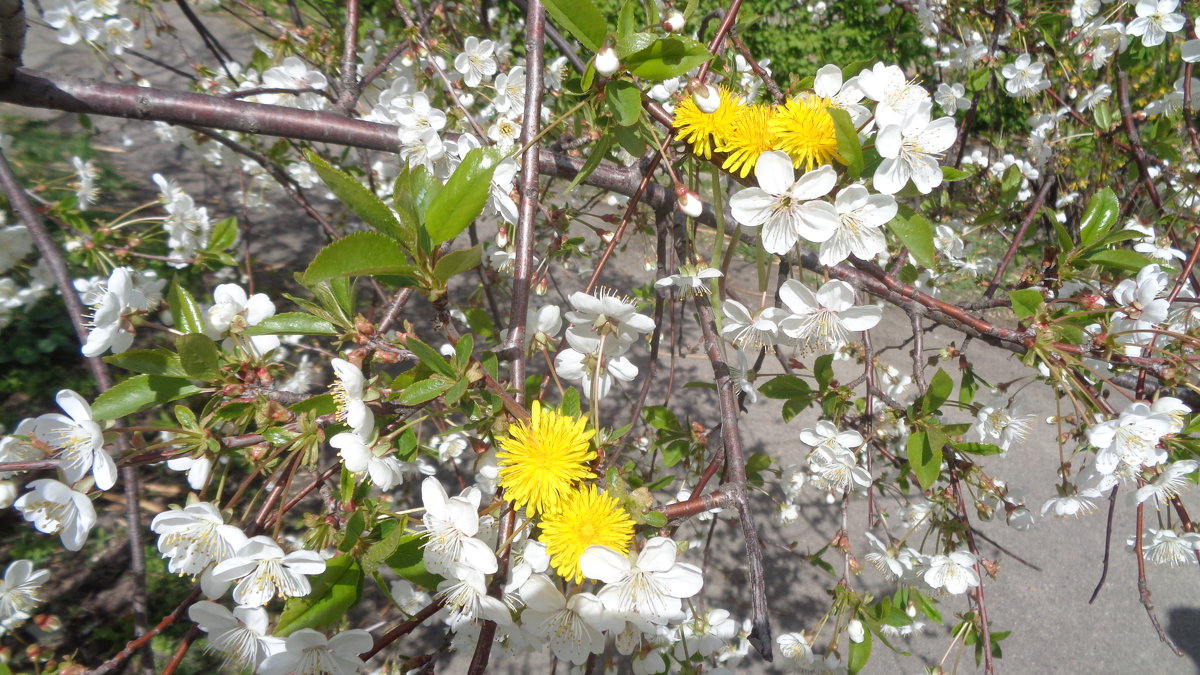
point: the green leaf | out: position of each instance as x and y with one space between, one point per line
430 357
425 390
951 174
823 371
385 548
224 233
655 519
596 154
357 254
983 449
361 200
457 262
915 233
1026 302
334 591
940 386
140 392
462 352
409 563
630 140
860 653
580 18
667 58
624 100
1120 259
184 309
354 530
784 386
199 356
412 193
626 20
925 456
1099 216
323 404
661 418
847 142
570 403
463 197
1010 184
292 323
150 361
967 387
633 43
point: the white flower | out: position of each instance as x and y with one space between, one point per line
109 328
1190 50
821 320
265 571
241 635
795 648
954 572
574 627
884 558
1155 18
21 446
197 468
308 652
1166 485
1164 547
705 634
386 471
194 538
79 440
911 148
19 593
745 330
72 20
15 244
952 97
510 90
1079 504
650 585
604 313
691 280
234 312
1131 439
347 391
464 595
409 597
895 93
579 366
846 95
787 208
860 215
451 524
999 424
118 35
1024 77
476 62
54 508
836 469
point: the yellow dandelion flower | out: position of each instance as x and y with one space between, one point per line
587 517
544 459
702 130
803 128
749 137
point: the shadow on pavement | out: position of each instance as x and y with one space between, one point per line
1183 626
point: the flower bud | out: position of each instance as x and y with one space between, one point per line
542 286
855 631
607 62
690 204
706 98
674 22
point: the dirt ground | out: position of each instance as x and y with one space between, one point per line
1044 600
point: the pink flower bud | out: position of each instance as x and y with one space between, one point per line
690 204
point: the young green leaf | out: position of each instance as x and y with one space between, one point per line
140 392
915 233
940 386
1026 302
199 356
847 142
580 18
334 591
357 254
624 100
292 323
463 197
361 201
184 309
457 262
667 58
1099 216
